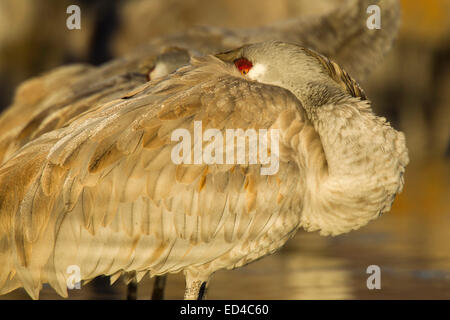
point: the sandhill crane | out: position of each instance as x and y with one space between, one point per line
47 103
103 192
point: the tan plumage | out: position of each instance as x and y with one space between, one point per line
102 192
47 102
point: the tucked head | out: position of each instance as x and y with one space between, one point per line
304 72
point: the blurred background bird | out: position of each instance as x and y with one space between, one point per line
48 102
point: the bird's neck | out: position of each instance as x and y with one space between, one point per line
349 136
365 160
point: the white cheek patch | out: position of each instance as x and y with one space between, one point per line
160 71
257 71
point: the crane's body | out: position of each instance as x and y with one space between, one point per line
103 193
87 178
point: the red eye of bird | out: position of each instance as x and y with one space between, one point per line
243 65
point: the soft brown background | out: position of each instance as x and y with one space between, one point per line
411 88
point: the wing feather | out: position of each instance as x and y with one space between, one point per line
111 189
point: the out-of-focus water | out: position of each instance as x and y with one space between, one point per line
411 245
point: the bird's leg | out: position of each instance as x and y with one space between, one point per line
196 285
132 288
158 287
202 292
195 290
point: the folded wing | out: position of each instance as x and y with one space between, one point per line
103 192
